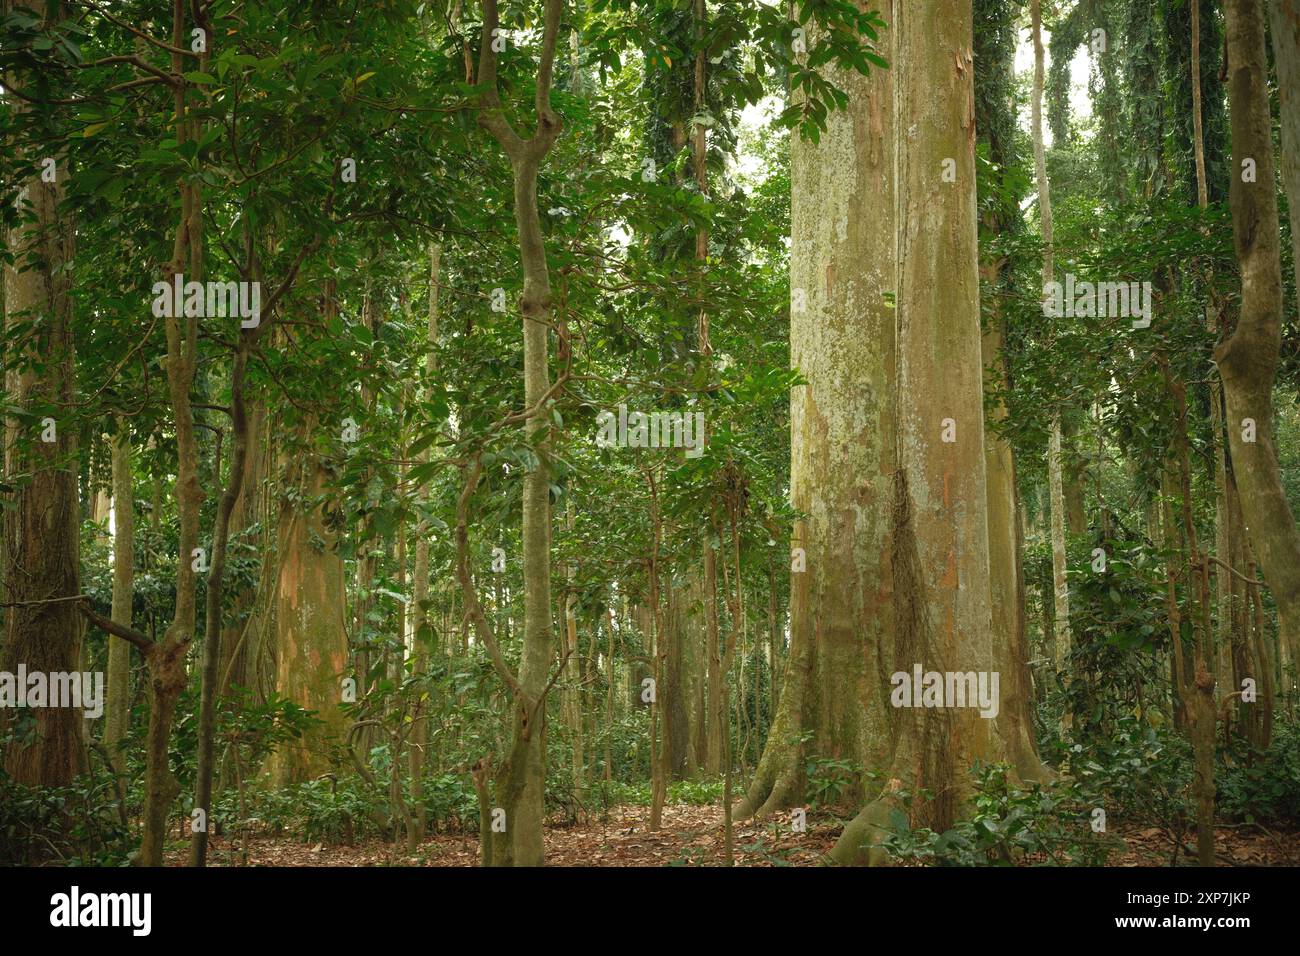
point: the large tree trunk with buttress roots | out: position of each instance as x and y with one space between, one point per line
895 534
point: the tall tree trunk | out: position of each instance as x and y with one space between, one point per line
309 613
42 515
715 673
573 691
238 653
774 637
1224 545
308 602
1054 463
117 708
677 726
166 659
1284 23
699 161
658 658
420 618
609 695
366 561
1010 630
995 123
1198 691
215 591
1248 359
520 782
896 534
1060 586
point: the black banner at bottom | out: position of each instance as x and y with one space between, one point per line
334 906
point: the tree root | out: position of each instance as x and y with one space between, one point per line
777 784
862 842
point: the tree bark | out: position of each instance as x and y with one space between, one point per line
1054 463
420 618
520 781
215 591
715 673
1284 32
895 533
166 659
1005 576
309 631
1248 360
42 515
117 709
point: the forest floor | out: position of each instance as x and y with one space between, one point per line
692 836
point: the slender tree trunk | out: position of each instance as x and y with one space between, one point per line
774 637
166 659
215 592
658 655
716 675
520 783
420 619
1224 545
365 562
1198 693
1060 587
1054 463
609 696
238 655
699 156
573 695
117 709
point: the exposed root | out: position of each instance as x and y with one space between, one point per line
862 842
776 785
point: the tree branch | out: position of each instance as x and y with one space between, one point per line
140 33
546 117
128 634
491 116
